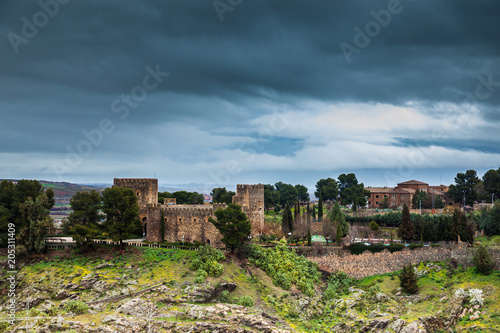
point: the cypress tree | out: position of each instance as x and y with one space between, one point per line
162 227
463 230
314 212
287 220
455 225
405 230
309 237
320 207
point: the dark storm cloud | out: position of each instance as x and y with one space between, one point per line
428 51
264 55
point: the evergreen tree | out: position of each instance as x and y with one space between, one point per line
408 279
122 213
287 220
222 195
405 230
162 228
320 207
309 237
314 212
482 260
12 196
83 222
460 228
417 226
337 217
233 224
32 234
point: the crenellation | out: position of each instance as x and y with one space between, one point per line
189 222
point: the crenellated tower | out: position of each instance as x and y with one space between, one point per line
251 200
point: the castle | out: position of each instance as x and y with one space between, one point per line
189 222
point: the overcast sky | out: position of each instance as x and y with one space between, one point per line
249 91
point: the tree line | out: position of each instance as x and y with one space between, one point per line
433 228
26 206
113 214
470 186
345 189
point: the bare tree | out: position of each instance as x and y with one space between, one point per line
299 227
329 229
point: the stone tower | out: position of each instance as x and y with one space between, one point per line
251 200
146 190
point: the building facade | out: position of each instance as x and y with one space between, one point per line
403 193
189 222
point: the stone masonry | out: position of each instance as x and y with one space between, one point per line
251 200
146 190
367 263
190 222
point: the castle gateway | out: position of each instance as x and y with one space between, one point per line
189 222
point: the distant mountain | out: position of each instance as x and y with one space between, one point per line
63 191
193 187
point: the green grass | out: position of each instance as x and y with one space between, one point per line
435 285
151 266
487 241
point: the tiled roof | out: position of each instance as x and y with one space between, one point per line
412 182
379 189
403 190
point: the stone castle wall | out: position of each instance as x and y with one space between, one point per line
367 263
190 221
146 190
152 224
251 200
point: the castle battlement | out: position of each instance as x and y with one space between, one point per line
154 205
191 221
192 208
134 181
243 187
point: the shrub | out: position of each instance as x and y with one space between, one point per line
476 296
207 258
482 260
77 307
357 248
408 280
285 267
460 293
318 249
414 246
374 226
377 247
330 293
245 301
340 281
338 284
374 290
200 276
396 247
224 297
282 280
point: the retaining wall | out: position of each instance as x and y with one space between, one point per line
367 263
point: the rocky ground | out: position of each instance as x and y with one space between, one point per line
156 293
